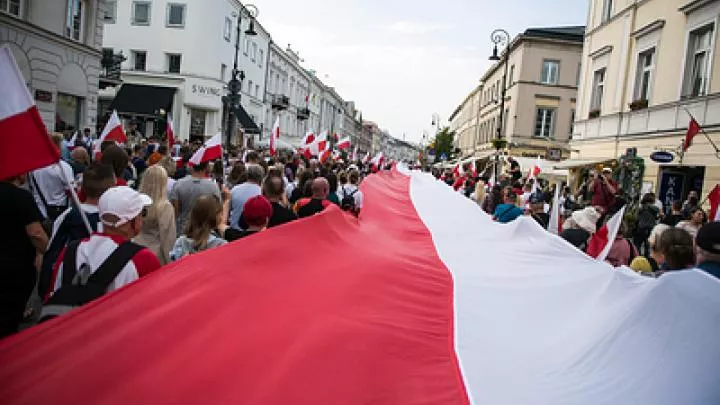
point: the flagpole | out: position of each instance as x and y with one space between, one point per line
717 150
76 199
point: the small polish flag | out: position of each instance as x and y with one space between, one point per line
554 225
344 143
534 172
714 199
170 132
601 242
71 142
113 131
366 158
21 128
309 138
378 160
274 136
210 151
354 155
319 144
324 156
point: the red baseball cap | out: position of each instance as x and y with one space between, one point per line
257 209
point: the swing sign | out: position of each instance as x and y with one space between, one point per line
662 157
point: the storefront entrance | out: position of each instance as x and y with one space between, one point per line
677 181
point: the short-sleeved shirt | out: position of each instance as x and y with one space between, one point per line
280 215
16 248
240 195
52 185
348 189
186 191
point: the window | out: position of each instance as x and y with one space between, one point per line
253 56
550 70
67 111
175 15
197 123
607 10
572 123
644 76
510 77
697 68
10 7
544 122
174 62
110 14
577 77
598 89
223 71
139 60
250 87
257 90
246 46
141 13
261 57
227 31
74 19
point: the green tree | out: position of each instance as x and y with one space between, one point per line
444 144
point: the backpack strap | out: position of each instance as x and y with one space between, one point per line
113 265
33 183
69 263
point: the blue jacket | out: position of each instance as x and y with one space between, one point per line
505 213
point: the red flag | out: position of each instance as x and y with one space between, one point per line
693 129
113 131
274 137
170 132
21 128
601 242
714 198
344 143
210 151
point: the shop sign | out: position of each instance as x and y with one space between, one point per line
662 157
206 90
43 96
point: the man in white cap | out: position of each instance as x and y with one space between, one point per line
121 211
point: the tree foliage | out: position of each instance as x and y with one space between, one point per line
444 143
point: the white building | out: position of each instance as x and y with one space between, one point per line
57 45
180 58
288 96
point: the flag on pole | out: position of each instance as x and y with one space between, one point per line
274 136
366 158
71 142
21 128
113 131
714 199
344 143
319 144
554 225
354 155
378 160
534 172
693 129
601 242
210 151
170 132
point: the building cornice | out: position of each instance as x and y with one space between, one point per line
653 26
48 35
694 5
601 52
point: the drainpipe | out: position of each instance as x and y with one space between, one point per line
267 72
625 79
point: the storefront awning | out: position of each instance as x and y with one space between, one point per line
142 99
572 163
247 124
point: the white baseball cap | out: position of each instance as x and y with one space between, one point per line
122 202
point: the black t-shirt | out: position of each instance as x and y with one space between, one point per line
516 174
672 219
311 208
232 234
577 237
542 218
280 215
17 252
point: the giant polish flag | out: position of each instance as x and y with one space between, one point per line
210 151
401 308
24 141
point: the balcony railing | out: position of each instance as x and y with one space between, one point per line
303 114
280 102
111 65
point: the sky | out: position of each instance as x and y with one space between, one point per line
401 61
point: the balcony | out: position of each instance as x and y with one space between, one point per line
280 102
111 63
303 114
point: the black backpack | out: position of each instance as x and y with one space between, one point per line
81 286
646 218
348 201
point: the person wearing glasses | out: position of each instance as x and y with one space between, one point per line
122 210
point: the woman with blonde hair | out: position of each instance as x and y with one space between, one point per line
479 195
206 215
158 231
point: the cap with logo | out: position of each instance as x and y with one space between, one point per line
122 202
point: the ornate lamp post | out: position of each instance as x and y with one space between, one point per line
499 37
235 83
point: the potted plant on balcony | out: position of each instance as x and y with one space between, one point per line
638 105
594 113
499 143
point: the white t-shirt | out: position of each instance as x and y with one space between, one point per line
358 196
52 185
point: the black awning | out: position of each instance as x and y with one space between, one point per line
142 99
247 124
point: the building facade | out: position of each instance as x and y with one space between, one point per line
180 58
647 67
57 45
542 76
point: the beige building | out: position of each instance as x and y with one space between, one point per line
543 68
648 65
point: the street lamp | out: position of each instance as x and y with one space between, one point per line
500 36
235 83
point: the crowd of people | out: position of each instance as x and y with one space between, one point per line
143 205
652 238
